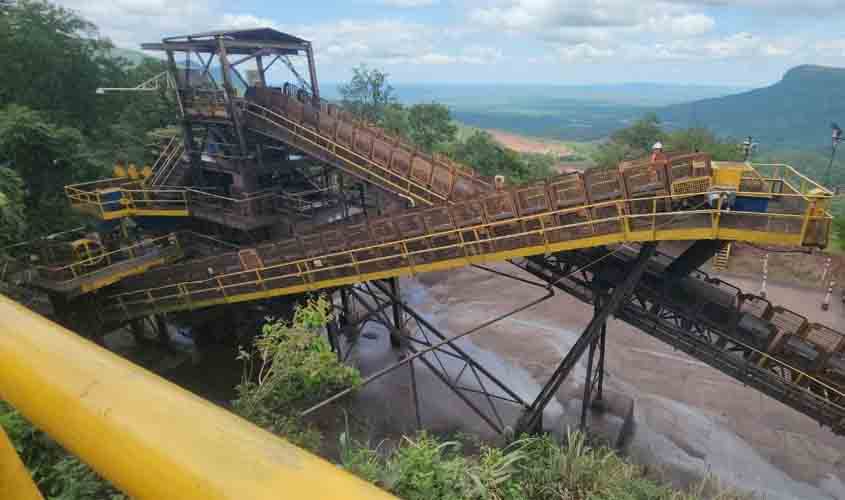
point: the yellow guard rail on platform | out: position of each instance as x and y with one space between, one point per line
149 437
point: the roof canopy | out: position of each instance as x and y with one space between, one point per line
236 42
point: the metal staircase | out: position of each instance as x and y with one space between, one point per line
169 163
722 258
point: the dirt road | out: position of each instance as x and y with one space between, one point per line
525 144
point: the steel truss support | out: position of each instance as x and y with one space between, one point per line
594 380
467 379
688 327
531 419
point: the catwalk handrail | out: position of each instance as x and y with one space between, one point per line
293 90
482 247
77 268
373 170
147 436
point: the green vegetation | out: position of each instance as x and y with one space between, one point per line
532 468
429 126
636 141
54 128
290 368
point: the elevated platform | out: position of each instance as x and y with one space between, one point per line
57 268
114 199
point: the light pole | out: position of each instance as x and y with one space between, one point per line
748 146
836 138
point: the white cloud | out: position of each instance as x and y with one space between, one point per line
830 47
245 21
130 22
552 15
804 7
736 46
583 52
405 4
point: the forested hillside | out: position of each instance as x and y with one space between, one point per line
54 128
795 112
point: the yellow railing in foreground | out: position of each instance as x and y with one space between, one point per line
149 437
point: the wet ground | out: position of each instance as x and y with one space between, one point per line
689 418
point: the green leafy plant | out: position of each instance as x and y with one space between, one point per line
291 366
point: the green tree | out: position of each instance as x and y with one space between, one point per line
642 135
12 208
368 93
45 155
704 140
395 120
482 152
430 126
53 61
612 153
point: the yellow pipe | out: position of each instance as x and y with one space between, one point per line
150 438
15 481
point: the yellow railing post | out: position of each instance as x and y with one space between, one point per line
15 481
149 437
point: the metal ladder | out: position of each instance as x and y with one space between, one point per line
722 257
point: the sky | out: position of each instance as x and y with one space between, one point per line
712 42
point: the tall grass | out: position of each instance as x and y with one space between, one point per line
532 468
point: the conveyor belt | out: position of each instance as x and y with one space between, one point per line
770 348
325 132
487 229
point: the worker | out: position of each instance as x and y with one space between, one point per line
657 154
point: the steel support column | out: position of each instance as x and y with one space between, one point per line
531 420
398 318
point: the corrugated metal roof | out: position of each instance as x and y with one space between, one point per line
246 35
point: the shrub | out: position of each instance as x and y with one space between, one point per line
532 468
291 367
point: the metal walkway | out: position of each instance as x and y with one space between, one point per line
496 227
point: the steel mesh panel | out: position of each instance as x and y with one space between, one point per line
532 200
468 214
421 170
441 180
567 190
787 321
499 206
828 339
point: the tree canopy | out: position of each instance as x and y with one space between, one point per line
368 94
54 128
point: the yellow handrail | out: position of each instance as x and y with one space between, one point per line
15 481
149 437
75 267
285 270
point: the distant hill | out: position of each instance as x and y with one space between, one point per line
466 95
559 112
793 113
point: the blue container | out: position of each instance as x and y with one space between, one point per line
751 204
110 199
